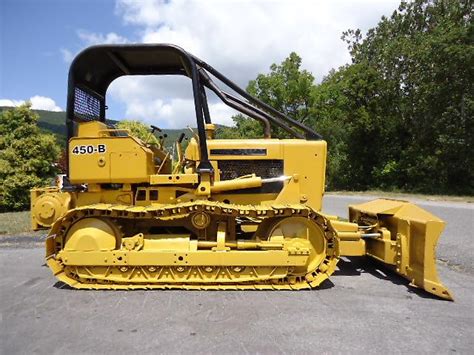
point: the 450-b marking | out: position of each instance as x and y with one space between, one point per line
89 149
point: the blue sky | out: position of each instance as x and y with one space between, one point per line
33 33
241 38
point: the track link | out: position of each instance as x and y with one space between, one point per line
70 275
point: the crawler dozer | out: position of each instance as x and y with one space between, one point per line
219 215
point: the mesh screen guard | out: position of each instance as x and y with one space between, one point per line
87 107
264 168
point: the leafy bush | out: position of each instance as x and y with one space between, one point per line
27 157
139 130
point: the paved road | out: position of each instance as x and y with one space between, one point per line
363 309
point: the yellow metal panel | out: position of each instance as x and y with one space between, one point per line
308 181
173 258
124 160
128 167
167 179
104 196
247 198
90 129
401 209
352 247
171 242
382 250
307 159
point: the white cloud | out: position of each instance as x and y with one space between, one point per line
91 38
44 103
11 103
37 103
174 113
67 55
244 38
144 12
166 101
240 39
221 113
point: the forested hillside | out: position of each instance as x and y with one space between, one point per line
50 122
55 122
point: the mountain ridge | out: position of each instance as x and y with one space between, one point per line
55 122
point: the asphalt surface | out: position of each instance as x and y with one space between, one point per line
363 309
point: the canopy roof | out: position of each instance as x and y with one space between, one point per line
97 66
93 70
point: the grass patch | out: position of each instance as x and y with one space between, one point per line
15 223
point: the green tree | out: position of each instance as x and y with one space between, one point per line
350 111
139 130
407 100
27 157
244 128
401 116
287 88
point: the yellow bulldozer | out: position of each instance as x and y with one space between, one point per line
240 214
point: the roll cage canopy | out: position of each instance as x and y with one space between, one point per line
96 67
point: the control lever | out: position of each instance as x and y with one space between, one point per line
179 151
154 128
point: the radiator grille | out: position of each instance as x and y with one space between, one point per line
232 169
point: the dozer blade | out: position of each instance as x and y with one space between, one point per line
411 245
